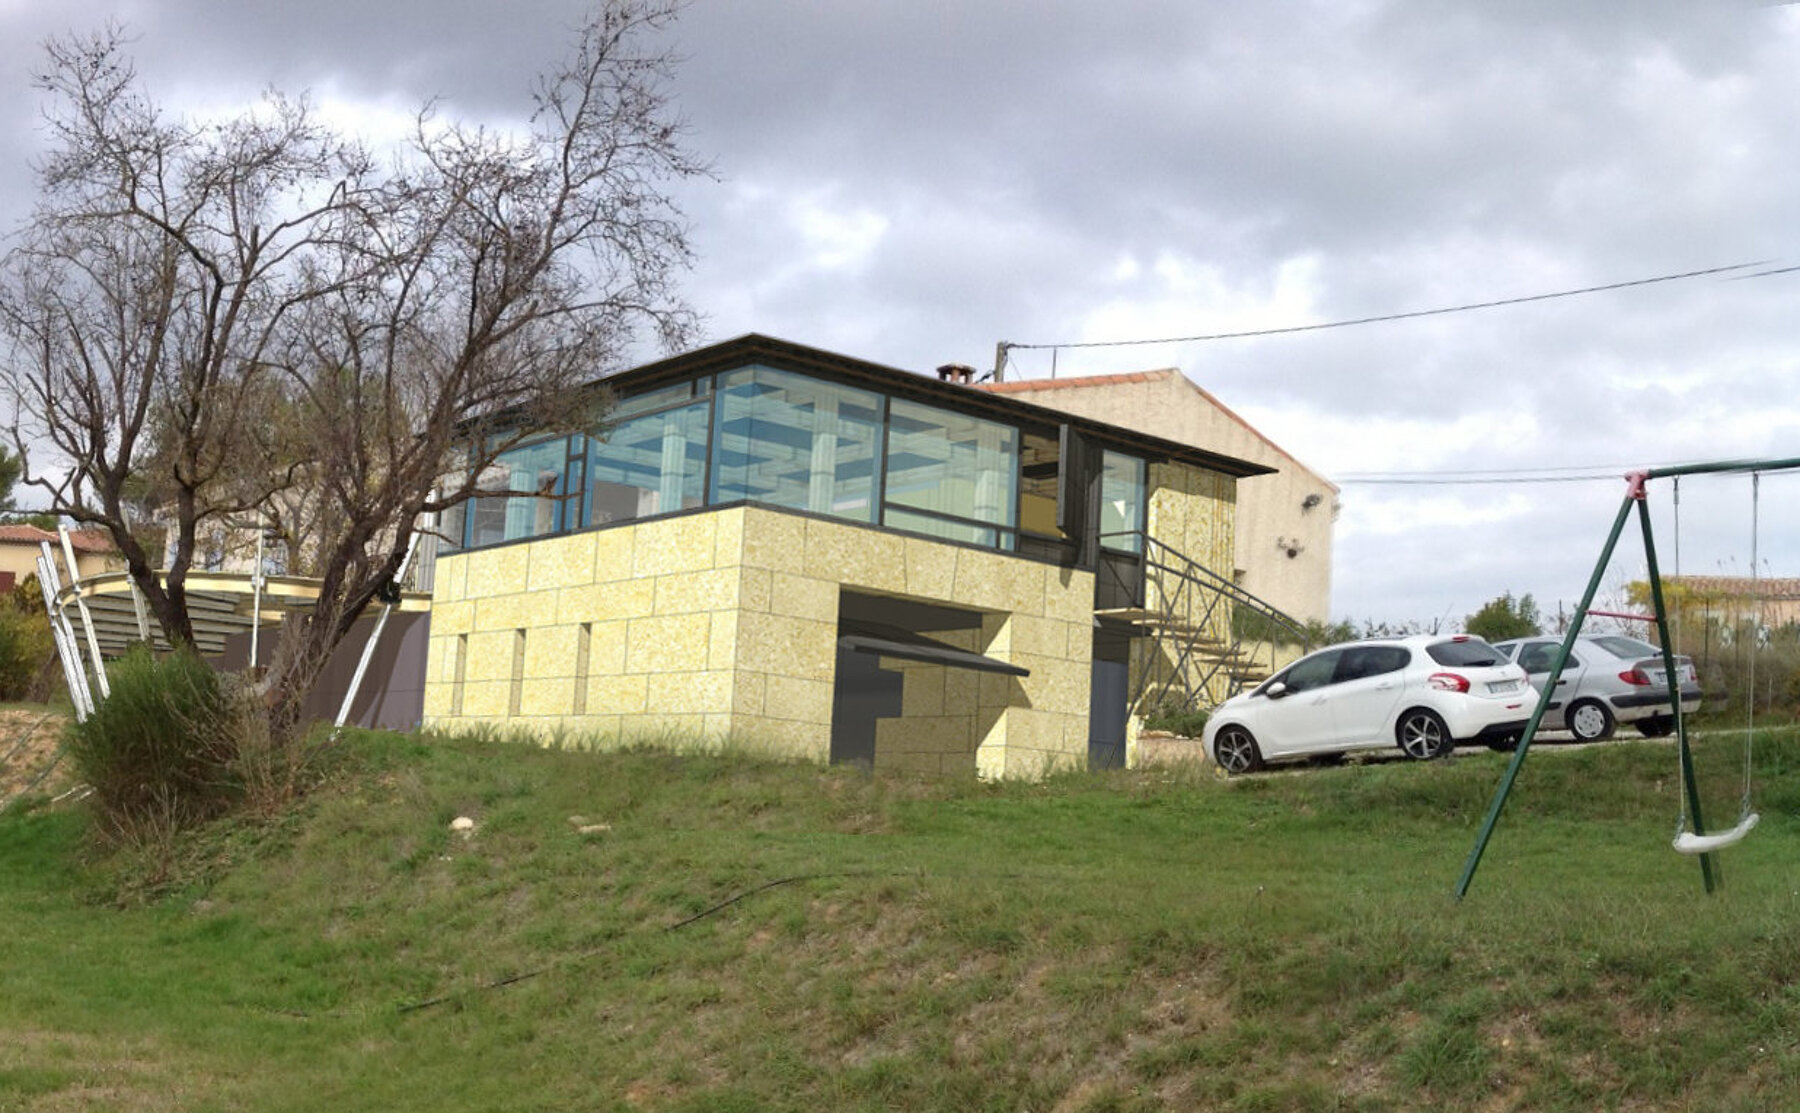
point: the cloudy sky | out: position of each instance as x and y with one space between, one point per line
912 181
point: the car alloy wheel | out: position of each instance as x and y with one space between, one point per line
1422 734
1237 751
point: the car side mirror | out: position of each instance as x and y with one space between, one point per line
1276 690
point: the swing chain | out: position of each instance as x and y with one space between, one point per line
1756 609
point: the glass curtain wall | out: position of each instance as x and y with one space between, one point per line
1121 502
650 464
782 439
535 474
788 440
952 475
452 522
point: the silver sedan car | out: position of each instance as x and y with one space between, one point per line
1609 679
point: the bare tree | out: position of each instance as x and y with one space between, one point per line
259 319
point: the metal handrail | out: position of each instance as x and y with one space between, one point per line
1193 595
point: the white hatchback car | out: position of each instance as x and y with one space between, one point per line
1424 693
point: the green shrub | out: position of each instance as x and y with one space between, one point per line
1177 720
158 752
25 646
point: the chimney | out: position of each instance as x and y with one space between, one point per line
960 373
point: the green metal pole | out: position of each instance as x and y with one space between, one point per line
1635 493
1537 714
1661 612
1719 466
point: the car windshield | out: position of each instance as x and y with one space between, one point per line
1468 653
1620 646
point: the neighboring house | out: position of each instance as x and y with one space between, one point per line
21 544
1728 600
822 557
1284 519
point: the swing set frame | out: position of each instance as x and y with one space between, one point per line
1636 495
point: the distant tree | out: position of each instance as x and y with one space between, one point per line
42 521
1505 617
1687 603
9 478
11 465
1321 633
224 318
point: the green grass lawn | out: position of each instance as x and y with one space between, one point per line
732 934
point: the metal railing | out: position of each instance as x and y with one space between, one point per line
1205 638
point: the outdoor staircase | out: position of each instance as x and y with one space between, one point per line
1197 637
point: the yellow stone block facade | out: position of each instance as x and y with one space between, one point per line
723 625
1192 510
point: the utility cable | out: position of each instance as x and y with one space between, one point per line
1414 314
1577 474
1428 481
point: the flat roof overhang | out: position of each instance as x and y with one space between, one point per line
755 348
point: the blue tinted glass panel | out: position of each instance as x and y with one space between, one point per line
1121 501
452 523
652 400
534 474
793 441
648 465
951 475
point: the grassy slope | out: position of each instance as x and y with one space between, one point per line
1131 941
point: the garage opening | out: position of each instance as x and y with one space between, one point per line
909 692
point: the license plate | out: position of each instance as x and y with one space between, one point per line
1499 687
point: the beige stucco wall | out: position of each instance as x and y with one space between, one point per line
20 558
723 626
1270 508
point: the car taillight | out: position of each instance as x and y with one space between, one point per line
1449 682
1634 676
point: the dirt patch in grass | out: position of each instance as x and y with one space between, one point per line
30 741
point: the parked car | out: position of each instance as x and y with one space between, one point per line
1424 694
1609 679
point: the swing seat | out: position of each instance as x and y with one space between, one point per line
1689 843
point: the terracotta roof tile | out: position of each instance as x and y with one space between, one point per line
1744 587
1021 386
84 540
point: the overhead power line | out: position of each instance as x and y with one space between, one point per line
1450 481
1008 345
1586 473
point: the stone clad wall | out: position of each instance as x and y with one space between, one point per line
944 716
723 624
627 632
1192 511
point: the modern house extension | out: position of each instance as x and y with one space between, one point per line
815 555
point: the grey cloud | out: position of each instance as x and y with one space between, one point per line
1417 154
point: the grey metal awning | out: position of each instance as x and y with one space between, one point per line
892 641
